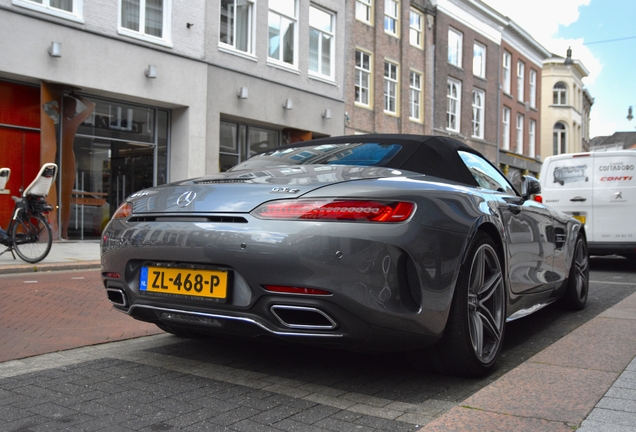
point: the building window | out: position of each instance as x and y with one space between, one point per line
560 94
479 60
415 90
455 47
237 18
390 87
416 37
453 95
507 58
521 71
505 139
519 137
283 20
239 141
391 17
532 138
146 19
559 136
533 88
478 114
363 78
321 42
69 9
364 11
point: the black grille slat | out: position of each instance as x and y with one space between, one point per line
217 219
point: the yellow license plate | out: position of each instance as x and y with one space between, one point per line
199 283
579 218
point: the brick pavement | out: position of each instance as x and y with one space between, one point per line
34 311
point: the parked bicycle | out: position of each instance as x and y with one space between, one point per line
29 232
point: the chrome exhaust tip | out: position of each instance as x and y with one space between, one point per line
117 296
302 317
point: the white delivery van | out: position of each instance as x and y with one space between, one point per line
599 189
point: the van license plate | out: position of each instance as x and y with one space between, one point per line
190 282
579 218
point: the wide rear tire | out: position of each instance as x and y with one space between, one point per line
575 297
475 329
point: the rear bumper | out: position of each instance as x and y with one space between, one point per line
386 295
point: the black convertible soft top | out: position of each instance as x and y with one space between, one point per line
431 155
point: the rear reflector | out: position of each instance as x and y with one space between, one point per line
328 210
111 275
295 290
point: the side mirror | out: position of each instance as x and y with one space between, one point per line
529 186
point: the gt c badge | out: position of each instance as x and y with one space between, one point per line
279 189
186 199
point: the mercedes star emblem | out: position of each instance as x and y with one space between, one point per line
186 198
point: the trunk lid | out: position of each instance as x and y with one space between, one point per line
242 191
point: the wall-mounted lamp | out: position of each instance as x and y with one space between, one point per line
630 116
326 114
55 50
288 104
151 71
188 25
347 118
242 93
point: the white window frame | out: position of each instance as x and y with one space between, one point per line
533 88
561 94
392 17
559 138
360 71
294 20
416 28
521 72
391 87
455 46
453 105
364 11
479 104
332 44
166 29
479 60
505 120
519 138
44 6
507 73
415 96
532 138
250 29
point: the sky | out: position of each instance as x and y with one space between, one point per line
602 35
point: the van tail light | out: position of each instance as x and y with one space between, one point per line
538 198
331 210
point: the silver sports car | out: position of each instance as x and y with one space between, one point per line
380 242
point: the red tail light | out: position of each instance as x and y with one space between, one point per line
328 210
538 198
123 211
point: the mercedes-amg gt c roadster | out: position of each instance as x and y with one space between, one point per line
376 242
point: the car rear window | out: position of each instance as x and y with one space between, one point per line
362 154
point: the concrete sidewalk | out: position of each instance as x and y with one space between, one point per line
64 255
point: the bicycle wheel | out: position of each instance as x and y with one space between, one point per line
31 238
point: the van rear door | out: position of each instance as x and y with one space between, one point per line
567 186
614 198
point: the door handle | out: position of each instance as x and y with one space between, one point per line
578 198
